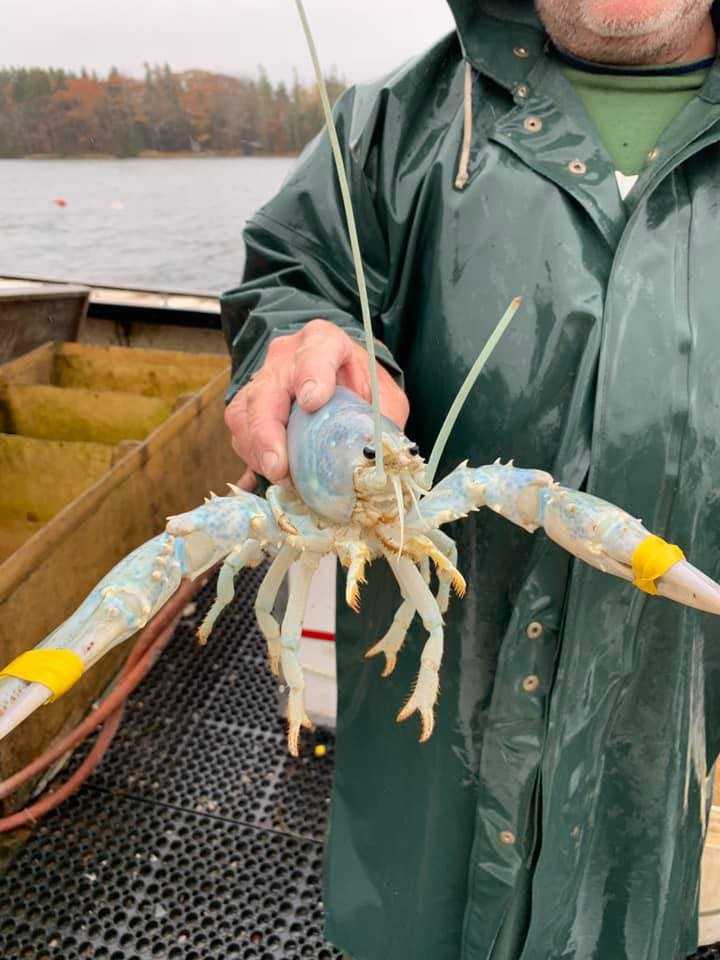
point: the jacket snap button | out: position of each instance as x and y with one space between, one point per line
507 837
531 683
521 52
533 124
577 167
522 90
534 630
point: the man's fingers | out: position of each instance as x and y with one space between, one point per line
236 422
270 449
256 418
393 401
248 481
355 375
268 409
316 365
307 365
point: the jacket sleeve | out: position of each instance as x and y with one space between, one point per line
299 264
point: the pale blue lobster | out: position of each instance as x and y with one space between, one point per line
335 505
360 490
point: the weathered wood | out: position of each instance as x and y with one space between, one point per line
157 336
149 373
34 367
710 882
49 575
64 413
39 477
35 314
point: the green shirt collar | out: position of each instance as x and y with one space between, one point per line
635 73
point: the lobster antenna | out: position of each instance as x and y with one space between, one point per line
463 392
354 245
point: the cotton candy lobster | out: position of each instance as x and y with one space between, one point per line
361 491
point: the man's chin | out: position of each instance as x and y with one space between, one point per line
626 32
612 20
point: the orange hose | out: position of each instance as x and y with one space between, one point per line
152 641
33 813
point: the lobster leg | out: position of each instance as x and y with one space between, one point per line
354 554
425 693
290 634
445 543
393 641
265 601
249 554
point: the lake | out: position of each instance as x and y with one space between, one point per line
173 223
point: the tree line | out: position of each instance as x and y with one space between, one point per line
63 113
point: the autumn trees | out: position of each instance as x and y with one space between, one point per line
54 112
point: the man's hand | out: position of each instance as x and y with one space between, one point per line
307 365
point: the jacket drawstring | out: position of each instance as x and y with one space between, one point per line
462 175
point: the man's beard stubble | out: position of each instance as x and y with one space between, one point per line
577 29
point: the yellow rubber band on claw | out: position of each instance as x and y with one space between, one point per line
58 670
651 560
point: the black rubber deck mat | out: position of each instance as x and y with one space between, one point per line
203 732
198 837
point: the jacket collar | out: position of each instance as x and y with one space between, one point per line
504 39
492 32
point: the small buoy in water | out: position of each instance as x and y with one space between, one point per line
320 750
60 202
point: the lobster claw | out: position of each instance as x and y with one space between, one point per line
130 595
612 541
686 584
116 608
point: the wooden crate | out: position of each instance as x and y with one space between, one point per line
90 494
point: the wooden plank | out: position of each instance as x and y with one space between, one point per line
63 413
155 336
710 883
40 477
42 291
32 316
36 366
150 373
107 355
710 874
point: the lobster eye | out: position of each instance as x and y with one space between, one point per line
368 453
413 450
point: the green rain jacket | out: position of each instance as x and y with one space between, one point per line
566 820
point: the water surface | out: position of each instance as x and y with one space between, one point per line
173 223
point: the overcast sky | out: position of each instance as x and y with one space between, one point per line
362 38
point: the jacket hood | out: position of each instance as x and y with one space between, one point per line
490 29
468 13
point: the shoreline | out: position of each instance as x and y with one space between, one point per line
158 155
